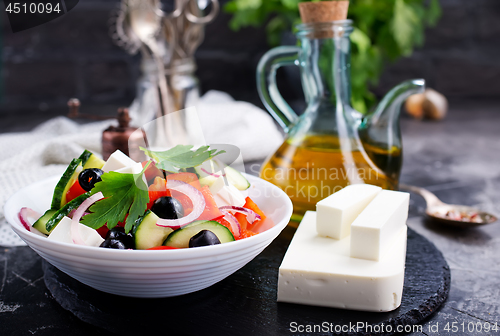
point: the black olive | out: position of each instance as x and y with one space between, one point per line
115 233
117 238
105 243
89 177
204 238
117 244
168 208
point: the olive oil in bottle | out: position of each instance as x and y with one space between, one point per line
315 167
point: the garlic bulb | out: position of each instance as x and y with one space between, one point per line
430 104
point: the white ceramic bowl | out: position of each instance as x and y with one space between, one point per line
150 274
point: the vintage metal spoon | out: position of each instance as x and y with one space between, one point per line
451 214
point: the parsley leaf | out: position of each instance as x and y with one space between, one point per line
405 26
124 193
181 156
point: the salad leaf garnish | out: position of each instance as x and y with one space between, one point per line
181 156
124 193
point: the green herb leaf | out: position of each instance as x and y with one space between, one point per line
181 156
290 4
433 13
405 25
123 193
248 4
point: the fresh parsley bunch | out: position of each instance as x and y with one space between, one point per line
385 30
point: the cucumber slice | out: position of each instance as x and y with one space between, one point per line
235 178
66 181
90 160
147 234
85 156
64 211
41 222
180 238
210 170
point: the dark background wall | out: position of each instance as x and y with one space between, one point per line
74 56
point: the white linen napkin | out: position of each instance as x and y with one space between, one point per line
47 150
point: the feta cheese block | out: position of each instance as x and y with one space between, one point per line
62 233
225 195
374 230
116 161
319 271
336 213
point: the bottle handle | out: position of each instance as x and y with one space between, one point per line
266 83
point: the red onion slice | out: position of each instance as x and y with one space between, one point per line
252 216
26 213
235 224
212 174
196 198
80 211
72 213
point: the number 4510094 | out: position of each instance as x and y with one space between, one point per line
472 327
32 8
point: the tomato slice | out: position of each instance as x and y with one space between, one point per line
224 222
152 171
246 234
75 191
187 205
211 211
190 178
242 219
156 190
249 204
103 231
163 248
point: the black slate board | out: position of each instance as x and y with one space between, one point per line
245 303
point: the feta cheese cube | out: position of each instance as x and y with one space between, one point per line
62 233
218 184
232 196
374 230
136 168
319 271
226 194
116 161
336 213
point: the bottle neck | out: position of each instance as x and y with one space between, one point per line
326 69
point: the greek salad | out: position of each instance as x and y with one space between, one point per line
178 198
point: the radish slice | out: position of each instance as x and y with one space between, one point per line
196 198
212 174
26 213
80 211
235 224
252 216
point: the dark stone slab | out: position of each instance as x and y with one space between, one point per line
26 306
245 303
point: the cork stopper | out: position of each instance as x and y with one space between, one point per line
323 11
